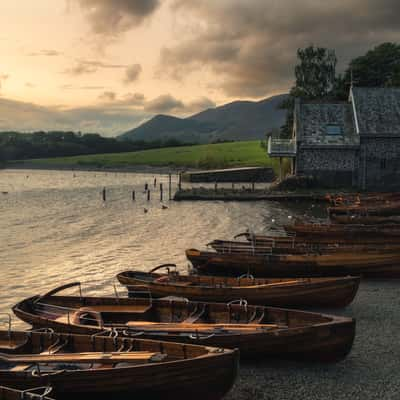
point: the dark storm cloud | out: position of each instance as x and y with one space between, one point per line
251 44
112 17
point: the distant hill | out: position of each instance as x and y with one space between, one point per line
240 120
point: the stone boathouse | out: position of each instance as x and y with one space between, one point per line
354 143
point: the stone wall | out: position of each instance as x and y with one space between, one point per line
333 167
380 163
254 174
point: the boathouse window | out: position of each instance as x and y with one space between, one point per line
334 130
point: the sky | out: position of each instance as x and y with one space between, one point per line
107 66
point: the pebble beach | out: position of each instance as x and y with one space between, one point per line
370 372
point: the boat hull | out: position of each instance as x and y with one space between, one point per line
329 292
179 378
301 335
367 265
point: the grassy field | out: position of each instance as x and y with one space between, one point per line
221 155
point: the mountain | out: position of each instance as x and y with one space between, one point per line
240 120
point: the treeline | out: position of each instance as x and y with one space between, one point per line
22 146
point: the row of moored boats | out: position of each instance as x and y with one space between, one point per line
181 335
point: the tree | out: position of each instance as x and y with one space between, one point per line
379 67
315 78
315 74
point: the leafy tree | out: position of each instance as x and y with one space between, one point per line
379 67
315 73
315 78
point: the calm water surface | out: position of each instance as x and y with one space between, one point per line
55 228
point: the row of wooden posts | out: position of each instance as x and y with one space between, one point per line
148 192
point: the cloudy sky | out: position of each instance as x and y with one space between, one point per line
108 65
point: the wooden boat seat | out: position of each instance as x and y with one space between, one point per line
136 357
199 328
167 279
52 350
135 308
10 345
269 284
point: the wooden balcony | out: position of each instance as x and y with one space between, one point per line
281 147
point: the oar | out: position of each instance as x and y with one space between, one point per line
79 358
182 327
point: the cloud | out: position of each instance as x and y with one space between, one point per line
114 115
164 104
46 53
113 17
82 67
69 86
111 99
28 117
201 104
108 96
3 77
253 52
132 73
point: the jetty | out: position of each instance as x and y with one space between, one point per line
228 194
244 174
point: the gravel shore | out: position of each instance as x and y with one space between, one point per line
371 370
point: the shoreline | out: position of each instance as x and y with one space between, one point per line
144 169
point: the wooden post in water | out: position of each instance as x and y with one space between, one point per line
216 187
104 194
146 186
180 181
252 186
169 186
148 195
133 195
161 192
155 182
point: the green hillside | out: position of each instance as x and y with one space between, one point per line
219 155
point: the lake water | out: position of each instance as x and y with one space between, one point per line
55 228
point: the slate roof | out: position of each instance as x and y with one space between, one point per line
378 110
313 119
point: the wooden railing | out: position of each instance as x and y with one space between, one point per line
281 147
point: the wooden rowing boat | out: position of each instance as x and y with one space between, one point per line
343 233
257 331
28 394
296 292
318 242
368 264
388 208
296 247
364 219
362 199
99 367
